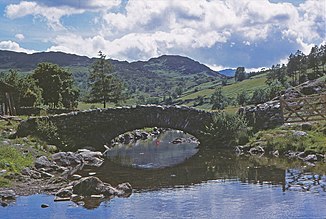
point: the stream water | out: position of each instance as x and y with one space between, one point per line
180 181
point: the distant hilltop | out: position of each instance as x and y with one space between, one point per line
172 63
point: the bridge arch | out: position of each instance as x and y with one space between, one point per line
98 127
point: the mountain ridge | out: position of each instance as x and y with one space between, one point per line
27 62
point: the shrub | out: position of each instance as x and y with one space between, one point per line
226 129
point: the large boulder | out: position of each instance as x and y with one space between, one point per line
89 186
44 162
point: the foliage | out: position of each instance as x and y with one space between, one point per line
242 98
47 130
240 74
105 87
218 100
27 93
57 85
226 128
259 96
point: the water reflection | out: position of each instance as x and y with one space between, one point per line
167 149
207 164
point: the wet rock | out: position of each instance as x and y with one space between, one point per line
177 141
3 204
137 135
89 186
67 158
58 199
7 194
64 192
124 189
44 205
43 162
127 138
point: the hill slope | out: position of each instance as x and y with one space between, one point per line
155 77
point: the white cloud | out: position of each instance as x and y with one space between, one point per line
13 46
144 29
19 36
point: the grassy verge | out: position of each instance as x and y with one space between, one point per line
293 138
16 154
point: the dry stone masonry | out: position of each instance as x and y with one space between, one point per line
94 128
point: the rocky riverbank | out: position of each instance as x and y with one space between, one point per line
56 176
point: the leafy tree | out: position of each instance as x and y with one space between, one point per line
26 92
259 96
277 73
242 98
105 87
240 74
57 85
218 100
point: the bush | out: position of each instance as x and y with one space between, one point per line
226 129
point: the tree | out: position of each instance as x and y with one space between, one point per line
56 84
26 92
259 96
240 74
104 86
242 98
218 100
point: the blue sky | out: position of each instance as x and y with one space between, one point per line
219 33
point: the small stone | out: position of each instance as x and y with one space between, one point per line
46 175
299 133
91 173
4 204
64 192
76 177
58 199
44 205
97 196
276 153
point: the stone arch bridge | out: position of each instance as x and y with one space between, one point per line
98 127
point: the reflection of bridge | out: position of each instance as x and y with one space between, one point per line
97 127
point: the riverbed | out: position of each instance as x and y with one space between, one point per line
205 183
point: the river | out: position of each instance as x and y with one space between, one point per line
182 181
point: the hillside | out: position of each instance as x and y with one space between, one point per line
153 78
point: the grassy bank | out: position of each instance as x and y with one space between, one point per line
16 154
308 137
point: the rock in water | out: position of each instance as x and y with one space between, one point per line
44 205
89 186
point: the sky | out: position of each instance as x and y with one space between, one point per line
218 33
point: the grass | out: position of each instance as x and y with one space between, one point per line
283 139
11 159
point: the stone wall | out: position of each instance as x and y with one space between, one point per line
263 116
98 127
30 111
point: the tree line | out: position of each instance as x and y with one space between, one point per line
53 86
